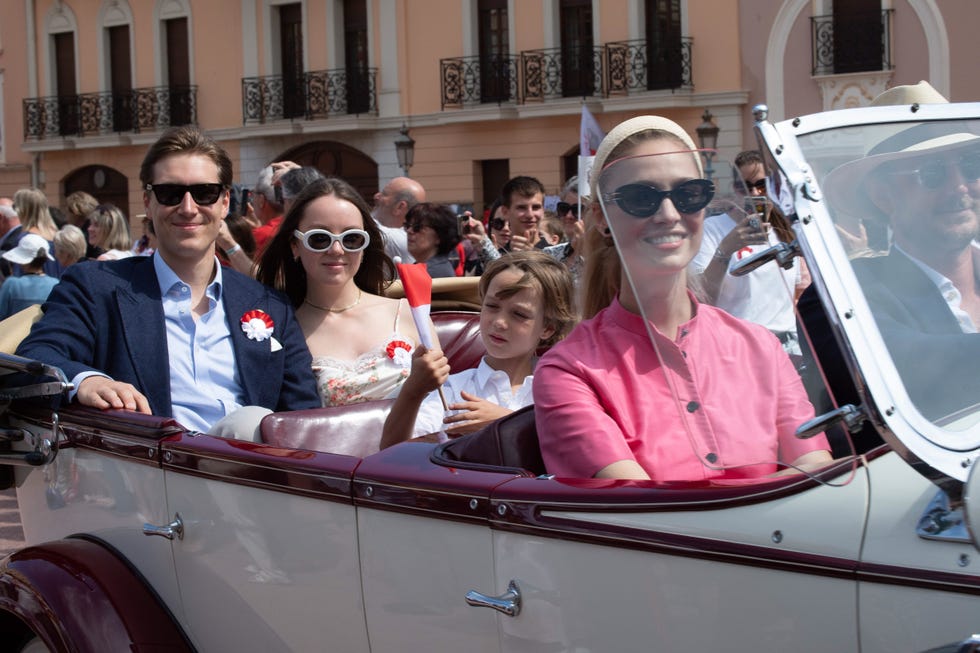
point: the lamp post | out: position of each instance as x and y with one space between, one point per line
405 149
708 138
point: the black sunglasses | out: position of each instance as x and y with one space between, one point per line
933 173
497 224
565 207
758 185
414 227
643 200
173 194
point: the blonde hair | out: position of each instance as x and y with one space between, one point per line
70 241
115 228
31 205
548 275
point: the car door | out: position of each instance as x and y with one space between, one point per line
764 567
268 559
425 543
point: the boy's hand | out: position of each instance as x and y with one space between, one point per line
475 409
430 369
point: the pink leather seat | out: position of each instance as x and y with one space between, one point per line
355 429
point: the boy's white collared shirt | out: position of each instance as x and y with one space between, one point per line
482 381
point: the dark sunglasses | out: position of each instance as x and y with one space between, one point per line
320 240
497 224
933 173
757 185
415 227
565 207
173 194
643 200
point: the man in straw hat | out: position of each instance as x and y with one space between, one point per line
924 181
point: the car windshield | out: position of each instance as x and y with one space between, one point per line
718 354
903 201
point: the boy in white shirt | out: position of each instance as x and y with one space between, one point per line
527 304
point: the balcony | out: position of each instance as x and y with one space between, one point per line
860 44
619 68
316 95
478 80
93 114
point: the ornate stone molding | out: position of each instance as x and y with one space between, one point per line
851 90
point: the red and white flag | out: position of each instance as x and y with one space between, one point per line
590 135
418 290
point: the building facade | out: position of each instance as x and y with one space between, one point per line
487 89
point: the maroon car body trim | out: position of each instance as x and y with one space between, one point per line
920 578
292 471
79 595
403 479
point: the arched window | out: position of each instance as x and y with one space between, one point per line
62 66
116 54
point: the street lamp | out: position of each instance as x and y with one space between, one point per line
708 138
405 149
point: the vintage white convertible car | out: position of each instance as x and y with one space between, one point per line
143 536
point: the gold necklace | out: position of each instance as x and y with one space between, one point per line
337 310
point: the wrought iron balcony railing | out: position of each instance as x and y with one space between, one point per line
89 114
561 72
617 68
860 44
316 94
478 80
643 66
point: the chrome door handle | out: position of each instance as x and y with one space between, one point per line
509 602
174 528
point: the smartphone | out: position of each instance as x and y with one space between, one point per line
757 204
246 197
463 223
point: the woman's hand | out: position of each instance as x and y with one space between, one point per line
475 409
751 230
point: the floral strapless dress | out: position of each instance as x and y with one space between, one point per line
375 374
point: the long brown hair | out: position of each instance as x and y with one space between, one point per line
279 269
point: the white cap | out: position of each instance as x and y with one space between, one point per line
29 248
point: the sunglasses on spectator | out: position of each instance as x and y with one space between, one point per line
643 200
320 240
759 185
933 173
173 194
565 207
498 224
415 227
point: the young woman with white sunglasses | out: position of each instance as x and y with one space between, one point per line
329 258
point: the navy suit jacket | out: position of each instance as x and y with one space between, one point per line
108 317
937 361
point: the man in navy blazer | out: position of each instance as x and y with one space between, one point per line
176 334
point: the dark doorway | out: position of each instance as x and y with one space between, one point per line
494 44
356 56
64 56
178 72
858 36
577 66
291 56
121 78
338 160
665 60
105 184
494 173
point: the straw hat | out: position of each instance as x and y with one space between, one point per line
632 127
28 249
845 185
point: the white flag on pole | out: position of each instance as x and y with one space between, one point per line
590 135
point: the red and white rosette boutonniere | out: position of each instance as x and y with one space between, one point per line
400 352
258 326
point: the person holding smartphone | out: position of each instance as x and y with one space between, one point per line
765 295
